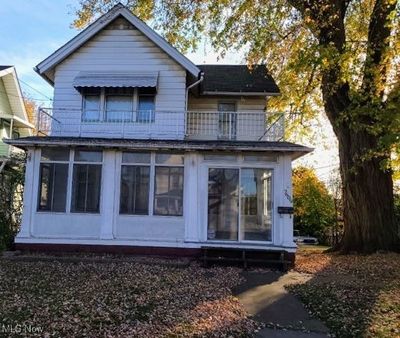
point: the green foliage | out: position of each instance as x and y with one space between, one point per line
314 208
11 188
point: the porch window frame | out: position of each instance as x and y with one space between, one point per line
240 164
152 164
71 180
39 181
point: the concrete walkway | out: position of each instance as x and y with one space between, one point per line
263 295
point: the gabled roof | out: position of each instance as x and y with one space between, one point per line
46 67
9 77
237 79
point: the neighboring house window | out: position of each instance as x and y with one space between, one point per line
86 181
135 183
168 185
227 120
53 180
91 104
146 105
119 104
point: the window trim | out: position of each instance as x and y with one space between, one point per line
73 162
103 101
39 181
152 164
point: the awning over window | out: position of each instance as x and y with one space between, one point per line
115 79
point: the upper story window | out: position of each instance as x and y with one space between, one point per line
146 105
119 104
91 104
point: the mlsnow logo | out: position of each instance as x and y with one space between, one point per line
20 328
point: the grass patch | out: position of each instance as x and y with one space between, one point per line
355 295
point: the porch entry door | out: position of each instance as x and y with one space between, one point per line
239 204
227 121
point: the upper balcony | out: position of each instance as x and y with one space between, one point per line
176 125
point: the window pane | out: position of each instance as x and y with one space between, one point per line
79 181
220 158
128 157
134 196
227 107
118 107
93 188
88 156
54 154
169 159
256 204
53 187
168 191
86 188
146 107
223 204
46 172
91 108
260 158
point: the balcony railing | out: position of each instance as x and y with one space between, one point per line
195 125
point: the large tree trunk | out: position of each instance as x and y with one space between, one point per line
367 196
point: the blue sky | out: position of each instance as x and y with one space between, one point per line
36 28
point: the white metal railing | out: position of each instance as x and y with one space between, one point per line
198 125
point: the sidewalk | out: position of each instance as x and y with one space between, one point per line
263 295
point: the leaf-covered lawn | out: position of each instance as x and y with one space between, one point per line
121 300
355 295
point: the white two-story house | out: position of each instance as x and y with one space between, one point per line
144 151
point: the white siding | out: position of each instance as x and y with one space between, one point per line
117 50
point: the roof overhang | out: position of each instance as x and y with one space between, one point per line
294 150
46 67
15 98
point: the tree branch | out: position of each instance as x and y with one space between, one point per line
378 34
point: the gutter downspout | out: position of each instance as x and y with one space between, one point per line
191 86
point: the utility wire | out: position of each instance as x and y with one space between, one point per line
37 91
33 98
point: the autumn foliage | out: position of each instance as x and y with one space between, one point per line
314 207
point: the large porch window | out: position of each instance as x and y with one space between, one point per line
142 171
53 180
86 181
239 204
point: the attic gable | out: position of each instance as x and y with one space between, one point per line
119 16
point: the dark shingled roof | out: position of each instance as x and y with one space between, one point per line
176 145
4 67
237 79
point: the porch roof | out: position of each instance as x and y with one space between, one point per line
295 150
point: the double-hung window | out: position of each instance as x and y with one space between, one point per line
135 183
91 104
53 180
168 185
119 104
86 181
146 105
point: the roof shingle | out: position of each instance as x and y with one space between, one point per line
237 79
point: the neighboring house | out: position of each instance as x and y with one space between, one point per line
147 152
14 122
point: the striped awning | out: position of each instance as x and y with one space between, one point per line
115 79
